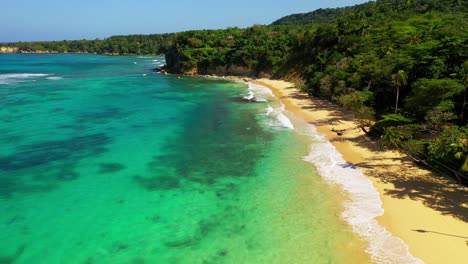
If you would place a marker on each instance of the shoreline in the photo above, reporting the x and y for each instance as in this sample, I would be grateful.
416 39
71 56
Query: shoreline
426 211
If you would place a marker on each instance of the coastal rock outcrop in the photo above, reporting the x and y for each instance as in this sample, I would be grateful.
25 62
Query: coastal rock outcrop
162 69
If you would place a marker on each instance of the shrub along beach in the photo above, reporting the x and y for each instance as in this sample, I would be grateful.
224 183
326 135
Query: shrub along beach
386 82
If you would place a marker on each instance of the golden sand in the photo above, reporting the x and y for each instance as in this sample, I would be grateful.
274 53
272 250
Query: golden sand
429 212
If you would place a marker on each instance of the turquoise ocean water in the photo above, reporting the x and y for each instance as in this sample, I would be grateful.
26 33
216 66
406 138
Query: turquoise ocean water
103 161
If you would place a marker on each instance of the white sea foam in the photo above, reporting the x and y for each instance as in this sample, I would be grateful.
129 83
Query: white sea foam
20 77
363 204
285 121
158 62
54 78
278 119
275 110
258 93
249 96
261 92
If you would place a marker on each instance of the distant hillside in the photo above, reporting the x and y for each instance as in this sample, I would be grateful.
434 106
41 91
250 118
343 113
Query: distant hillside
318 16
373 9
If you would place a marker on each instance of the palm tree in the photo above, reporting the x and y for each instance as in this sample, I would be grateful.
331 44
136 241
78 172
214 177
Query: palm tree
399 79
464 75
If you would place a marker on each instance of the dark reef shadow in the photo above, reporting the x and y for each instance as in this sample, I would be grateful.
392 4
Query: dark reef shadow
105 168
40 166
101 116
157 183
13 258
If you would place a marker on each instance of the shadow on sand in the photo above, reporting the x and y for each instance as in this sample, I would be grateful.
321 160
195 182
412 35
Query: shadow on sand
434 191
438 233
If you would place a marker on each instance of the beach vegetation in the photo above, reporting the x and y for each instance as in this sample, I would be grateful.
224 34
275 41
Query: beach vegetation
358 102
449 151
394 137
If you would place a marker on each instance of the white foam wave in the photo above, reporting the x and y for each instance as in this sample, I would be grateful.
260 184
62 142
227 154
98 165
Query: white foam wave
258 93
363 205
54 78
269 110
285 121
278 117
250 96
158 61
19 77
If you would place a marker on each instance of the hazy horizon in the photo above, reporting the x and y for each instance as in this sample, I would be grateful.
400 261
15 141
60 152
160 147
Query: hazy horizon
50 20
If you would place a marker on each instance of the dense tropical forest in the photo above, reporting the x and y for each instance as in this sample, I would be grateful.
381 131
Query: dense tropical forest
401 66
116 45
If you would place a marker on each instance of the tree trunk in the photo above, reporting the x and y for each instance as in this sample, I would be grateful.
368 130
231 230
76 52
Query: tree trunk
397 98
363 128
462 115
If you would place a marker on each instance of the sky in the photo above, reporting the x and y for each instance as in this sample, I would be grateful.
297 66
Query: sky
36 20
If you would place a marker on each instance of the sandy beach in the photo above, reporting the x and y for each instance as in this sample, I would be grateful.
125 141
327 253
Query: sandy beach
429 212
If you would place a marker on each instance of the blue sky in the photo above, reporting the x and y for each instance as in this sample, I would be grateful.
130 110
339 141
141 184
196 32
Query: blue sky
32 20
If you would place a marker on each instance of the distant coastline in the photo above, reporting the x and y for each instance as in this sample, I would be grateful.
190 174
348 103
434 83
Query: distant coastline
15 50
4 49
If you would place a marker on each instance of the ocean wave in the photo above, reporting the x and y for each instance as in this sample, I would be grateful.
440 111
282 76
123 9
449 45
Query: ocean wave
261 93
278 119
258 93
250 96
363 204
20 77
54 78
275 109
158 61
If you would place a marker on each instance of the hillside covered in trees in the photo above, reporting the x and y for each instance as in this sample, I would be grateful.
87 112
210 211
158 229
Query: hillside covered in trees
400 65
115 45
